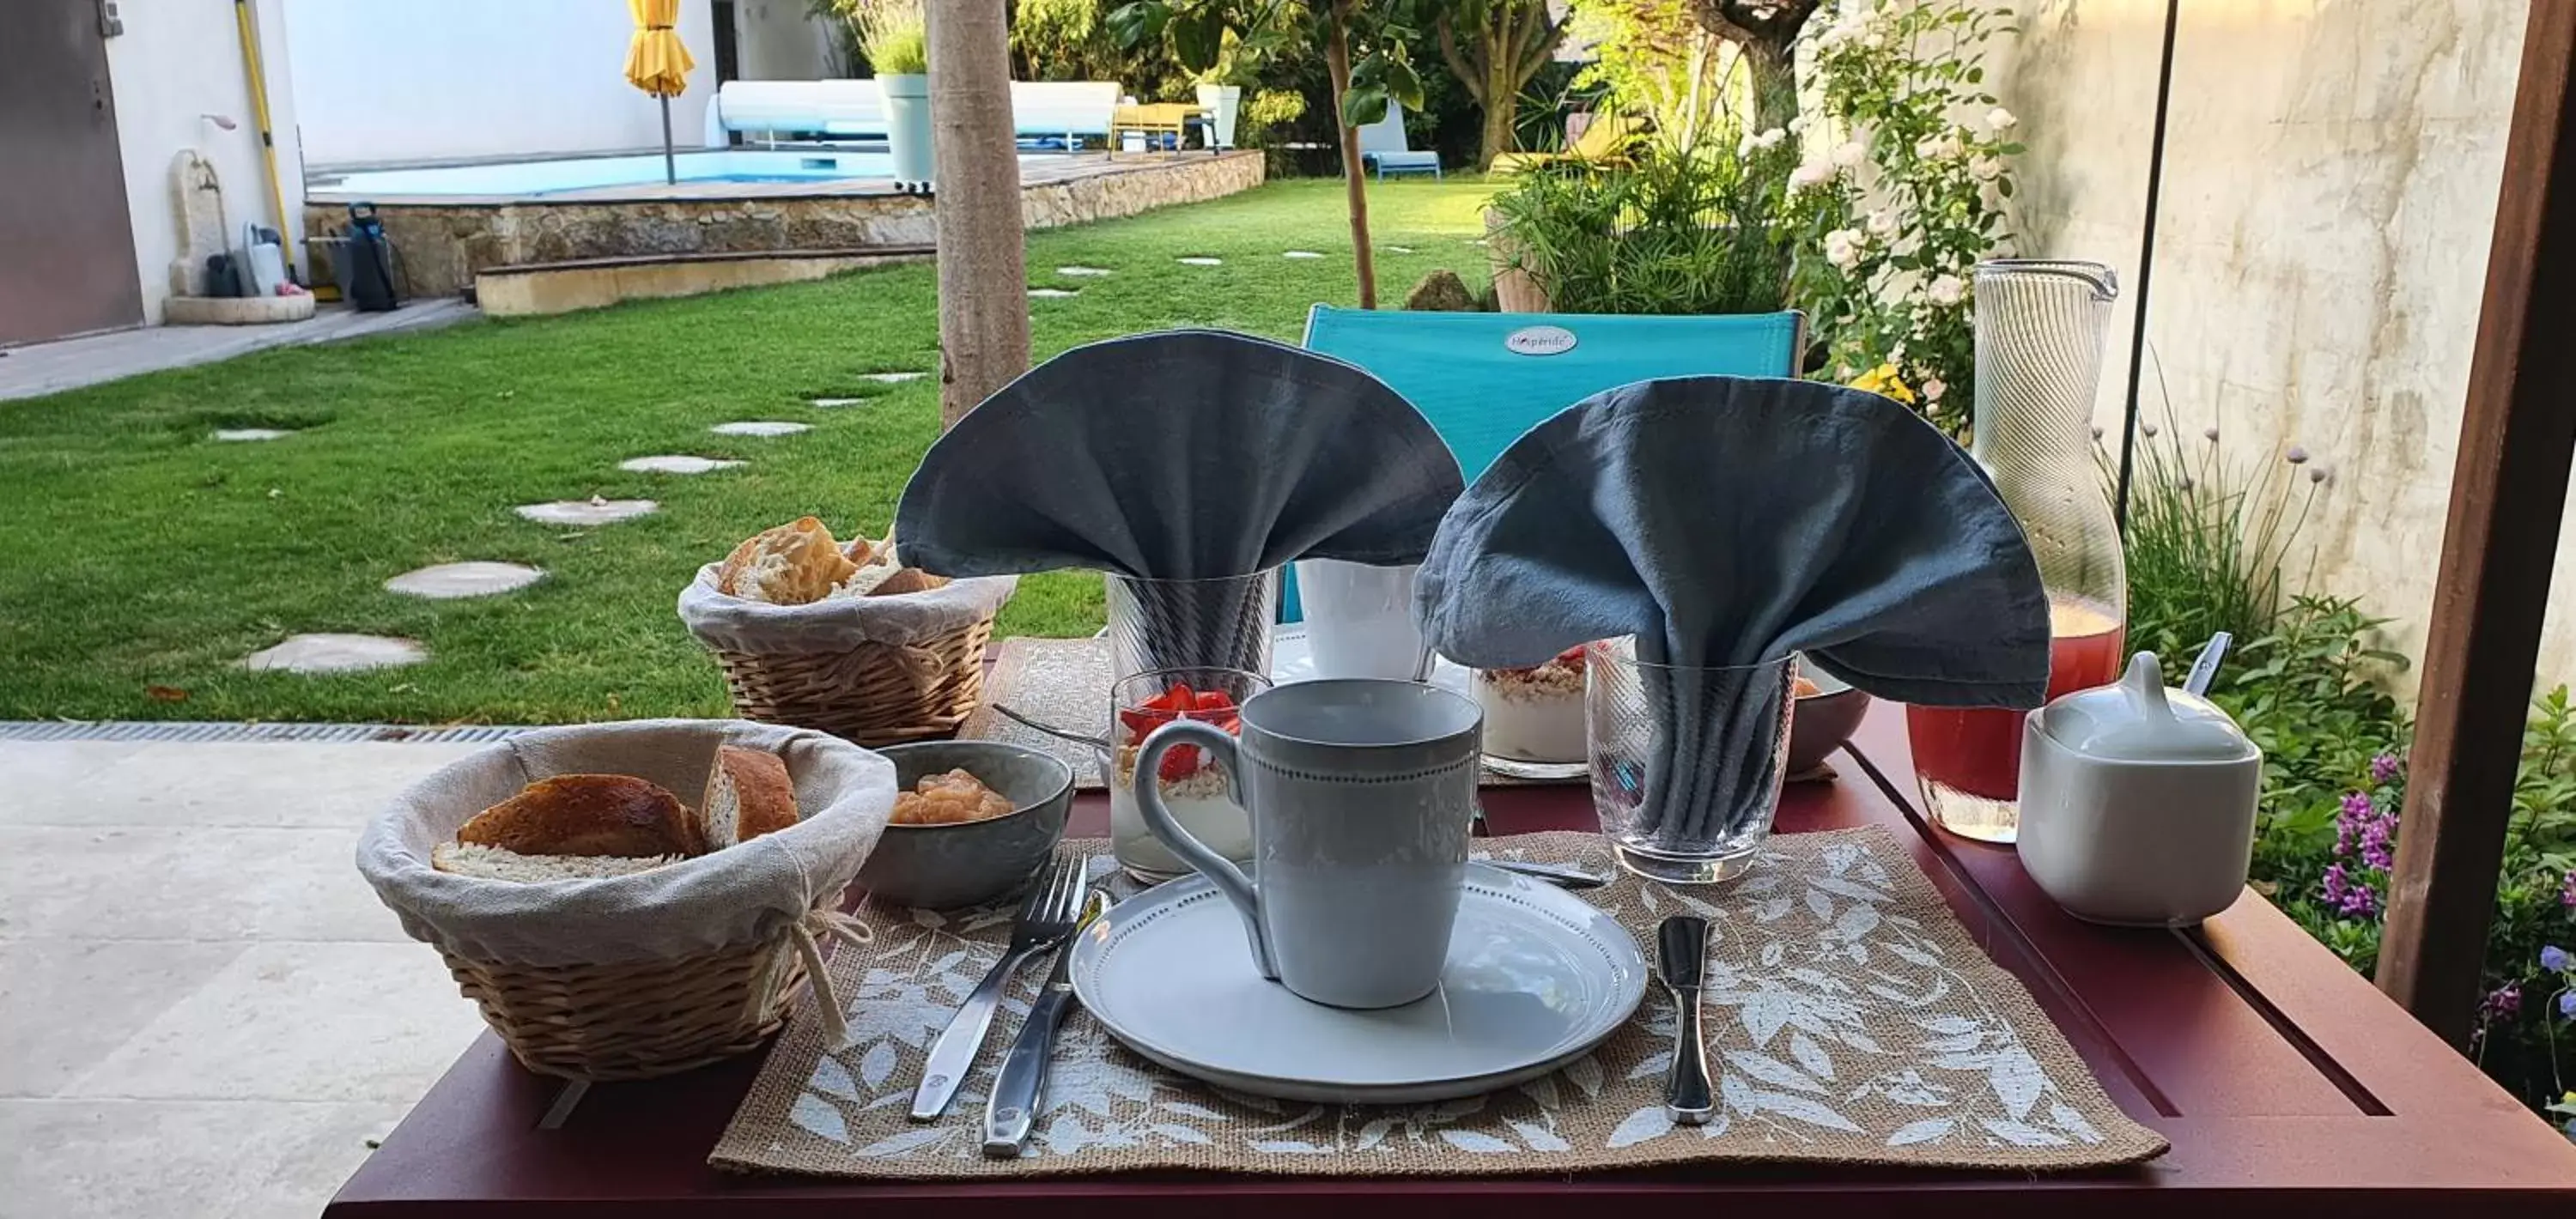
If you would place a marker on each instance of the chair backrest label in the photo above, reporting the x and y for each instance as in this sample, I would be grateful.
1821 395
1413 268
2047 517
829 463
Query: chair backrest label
1540 341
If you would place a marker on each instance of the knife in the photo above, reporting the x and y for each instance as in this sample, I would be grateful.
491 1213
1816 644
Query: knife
1560 875
1681 946
1013 1107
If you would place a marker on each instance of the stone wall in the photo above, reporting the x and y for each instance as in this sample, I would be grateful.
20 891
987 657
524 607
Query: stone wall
443 244
2331 174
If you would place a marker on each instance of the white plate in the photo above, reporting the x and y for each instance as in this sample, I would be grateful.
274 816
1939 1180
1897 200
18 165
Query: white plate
1535 978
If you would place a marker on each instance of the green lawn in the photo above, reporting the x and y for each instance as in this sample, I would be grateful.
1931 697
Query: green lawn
140 554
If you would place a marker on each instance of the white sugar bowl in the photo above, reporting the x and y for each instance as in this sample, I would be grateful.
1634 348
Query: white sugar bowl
2137 802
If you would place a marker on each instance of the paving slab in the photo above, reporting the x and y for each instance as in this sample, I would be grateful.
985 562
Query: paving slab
474 578
761 427
585 513
247 434
45 368
675 463
894 378
330 652
80 999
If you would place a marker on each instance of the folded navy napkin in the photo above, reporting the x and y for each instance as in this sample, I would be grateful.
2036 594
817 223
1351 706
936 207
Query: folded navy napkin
1186 454
1726 521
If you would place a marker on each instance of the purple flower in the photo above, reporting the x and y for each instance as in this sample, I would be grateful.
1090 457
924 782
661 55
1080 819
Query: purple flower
2338 884
2384 768
2357 807
2362 902
2210 433
2296 456
2567 891
2502 1003
2148 427
2555 959
2317 475
2374 846
2567 1004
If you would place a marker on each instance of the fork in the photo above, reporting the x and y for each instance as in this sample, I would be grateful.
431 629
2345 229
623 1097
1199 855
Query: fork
1052 910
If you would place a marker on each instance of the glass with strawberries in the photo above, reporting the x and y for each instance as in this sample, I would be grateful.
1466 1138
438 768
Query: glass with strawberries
1199 795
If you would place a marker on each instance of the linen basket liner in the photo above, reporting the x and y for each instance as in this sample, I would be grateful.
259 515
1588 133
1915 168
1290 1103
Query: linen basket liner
837 624
741 895
1850 1018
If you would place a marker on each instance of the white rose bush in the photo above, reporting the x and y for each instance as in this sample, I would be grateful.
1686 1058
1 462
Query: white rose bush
1903 178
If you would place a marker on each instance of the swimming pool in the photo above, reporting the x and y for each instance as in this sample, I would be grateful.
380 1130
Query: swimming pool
591 173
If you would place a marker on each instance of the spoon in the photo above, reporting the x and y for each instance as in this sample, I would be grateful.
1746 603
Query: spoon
1050 729
2206 667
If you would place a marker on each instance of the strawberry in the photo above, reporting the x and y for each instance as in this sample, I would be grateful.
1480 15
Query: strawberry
1179 763
1213 700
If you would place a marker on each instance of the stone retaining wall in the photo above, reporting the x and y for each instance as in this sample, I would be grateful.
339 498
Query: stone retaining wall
442 244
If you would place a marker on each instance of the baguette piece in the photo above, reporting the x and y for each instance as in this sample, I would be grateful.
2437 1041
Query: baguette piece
588 815
748 795
496 863
794 564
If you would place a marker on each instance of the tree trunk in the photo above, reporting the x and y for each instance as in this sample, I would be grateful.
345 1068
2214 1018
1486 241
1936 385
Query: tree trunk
1774 70
1502 97
1337 61
983 269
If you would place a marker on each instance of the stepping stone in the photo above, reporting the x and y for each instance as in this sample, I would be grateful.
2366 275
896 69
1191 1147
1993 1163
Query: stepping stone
251 433
1300 254
334 654
894 378
1053 293
592 511
1396 249
763 427
829 403
448 581
671 463
1202 262
1081 271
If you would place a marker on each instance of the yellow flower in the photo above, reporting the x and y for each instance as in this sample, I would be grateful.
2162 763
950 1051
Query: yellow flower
1883 380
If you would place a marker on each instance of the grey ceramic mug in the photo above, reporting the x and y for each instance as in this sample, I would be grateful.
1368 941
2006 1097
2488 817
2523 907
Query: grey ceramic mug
1361 793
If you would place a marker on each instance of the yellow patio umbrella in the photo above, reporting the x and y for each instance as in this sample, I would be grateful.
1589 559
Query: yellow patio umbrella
658 64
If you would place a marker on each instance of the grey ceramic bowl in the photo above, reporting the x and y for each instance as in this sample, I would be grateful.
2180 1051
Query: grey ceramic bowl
939 867
1822 721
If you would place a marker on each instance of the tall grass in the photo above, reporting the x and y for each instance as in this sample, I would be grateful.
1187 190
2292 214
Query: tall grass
894 34
1674 228
2209 540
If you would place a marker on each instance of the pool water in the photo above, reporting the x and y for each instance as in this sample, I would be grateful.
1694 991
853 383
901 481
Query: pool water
590 173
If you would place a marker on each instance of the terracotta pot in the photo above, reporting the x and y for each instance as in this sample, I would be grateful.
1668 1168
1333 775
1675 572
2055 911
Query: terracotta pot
1514 290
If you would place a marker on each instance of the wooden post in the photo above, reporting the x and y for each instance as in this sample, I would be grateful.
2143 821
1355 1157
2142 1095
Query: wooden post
1337 65
2507 493
983 268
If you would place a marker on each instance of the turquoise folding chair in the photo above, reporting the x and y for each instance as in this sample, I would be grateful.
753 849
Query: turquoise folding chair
1482 379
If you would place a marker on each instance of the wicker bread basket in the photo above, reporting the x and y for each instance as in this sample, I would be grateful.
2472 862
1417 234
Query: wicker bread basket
652 973
877 670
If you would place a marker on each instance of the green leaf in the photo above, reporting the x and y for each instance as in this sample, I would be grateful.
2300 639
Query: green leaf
1139 23
1363 105
1197 36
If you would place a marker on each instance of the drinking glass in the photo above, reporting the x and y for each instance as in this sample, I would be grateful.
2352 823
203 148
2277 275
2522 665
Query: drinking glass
1199 794
1221 622
1687 762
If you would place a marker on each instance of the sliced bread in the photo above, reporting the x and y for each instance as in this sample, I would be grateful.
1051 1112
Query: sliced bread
588 815
496 863
748 794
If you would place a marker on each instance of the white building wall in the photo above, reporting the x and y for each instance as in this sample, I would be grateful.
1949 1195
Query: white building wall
781 40
176 62
2331 173
401 80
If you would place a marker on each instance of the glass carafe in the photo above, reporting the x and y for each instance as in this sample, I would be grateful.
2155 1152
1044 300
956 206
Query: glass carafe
2039 363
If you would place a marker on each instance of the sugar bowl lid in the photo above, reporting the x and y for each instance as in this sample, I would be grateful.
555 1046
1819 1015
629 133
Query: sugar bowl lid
2139 720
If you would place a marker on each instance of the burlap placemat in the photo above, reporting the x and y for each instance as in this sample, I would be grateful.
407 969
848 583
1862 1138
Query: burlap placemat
1850 1020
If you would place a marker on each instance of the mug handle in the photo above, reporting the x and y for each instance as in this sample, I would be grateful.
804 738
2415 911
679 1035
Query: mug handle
1229 880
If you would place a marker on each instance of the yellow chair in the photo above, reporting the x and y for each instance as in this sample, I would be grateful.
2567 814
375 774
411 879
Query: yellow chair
1150 120
1605 142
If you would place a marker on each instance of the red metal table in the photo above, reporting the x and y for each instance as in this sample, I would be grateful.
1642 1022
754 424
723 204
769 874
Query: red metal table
2286 1082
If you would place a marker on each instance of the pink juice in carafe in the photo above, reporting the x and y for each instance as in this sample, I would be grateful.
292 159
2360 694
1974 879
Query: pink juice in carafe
1969 759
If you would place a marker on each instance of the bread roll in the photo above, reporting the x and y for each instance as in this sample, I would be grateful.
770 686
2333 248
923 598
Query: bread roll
793 564
748 795
588 815
494 863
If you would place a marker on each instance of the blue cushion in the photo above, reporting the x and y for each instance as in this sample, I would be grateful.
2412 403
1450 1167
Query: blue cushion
1480 395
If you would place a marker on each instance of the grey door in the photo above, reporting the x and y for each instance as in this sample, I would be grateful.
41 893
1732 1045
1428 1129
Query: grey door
66 245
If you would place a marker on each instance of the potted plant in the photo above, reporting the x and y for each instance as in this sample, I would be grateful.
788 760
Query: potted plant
1220 89
895 36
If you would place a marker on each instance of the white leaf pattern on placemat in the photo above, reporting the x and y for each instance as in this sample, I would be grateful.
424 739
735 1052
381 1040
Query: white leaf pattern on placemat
819 1117
2020 1135
876 1065
1811 1056
1803 1109
1651 1122
832 1079
1469 1140
1924 1131
1772 1071
1539 1137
